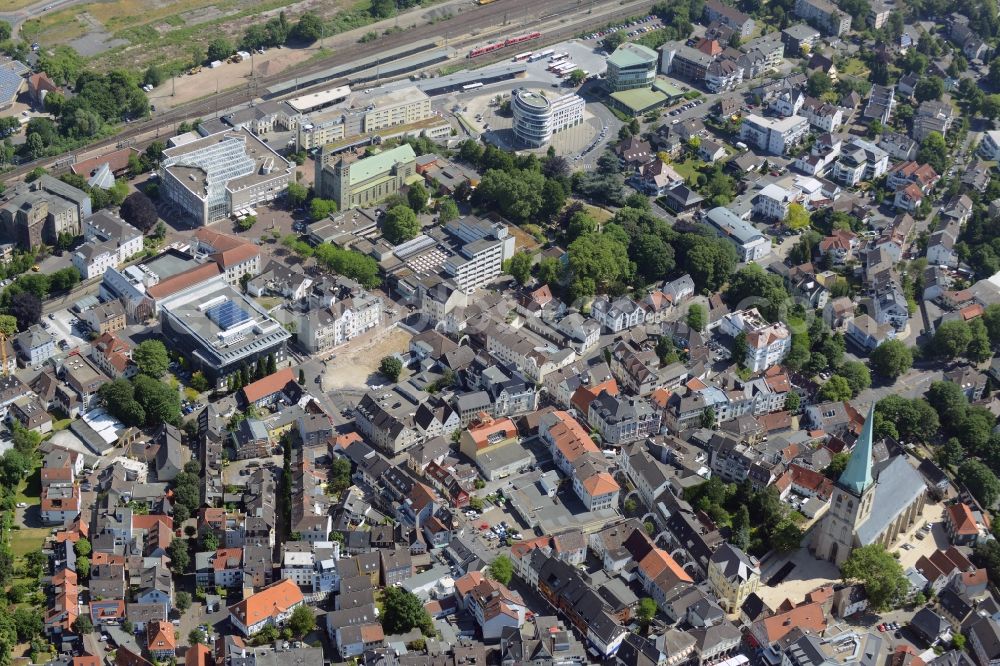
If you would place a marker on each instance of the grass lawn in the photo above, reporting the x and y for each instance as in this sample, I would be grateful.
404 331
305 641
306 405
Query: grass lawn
27 539
688 168
854 67
600 215
30 490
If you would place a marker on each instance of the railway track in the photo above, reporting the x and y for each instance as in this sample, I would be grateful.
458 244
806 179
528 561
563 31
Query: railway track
468 27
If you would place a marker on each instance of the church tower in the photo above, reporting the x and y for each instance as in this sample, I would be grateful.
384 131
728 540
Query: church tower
851 503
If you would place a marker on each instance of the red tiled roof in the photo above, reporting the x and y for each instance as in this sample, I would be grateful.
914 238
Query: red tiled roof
960 516
269 602
173 284
268 385
585 395
808 617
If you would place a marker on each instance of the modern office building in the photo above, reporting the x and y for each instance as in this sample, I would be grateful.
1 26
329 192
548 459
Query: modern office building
219 330
773 135
631 66
222 174
537 118
367 181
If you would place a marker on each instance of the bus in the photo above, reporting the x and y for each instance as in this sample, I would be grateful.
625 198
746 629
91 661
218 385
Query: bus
472 86
565 67
522 56
559 56
541 55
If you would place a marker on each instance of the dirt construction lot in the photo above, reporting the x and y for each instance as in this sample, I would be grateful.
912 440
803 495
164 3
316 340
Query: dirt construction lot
358 367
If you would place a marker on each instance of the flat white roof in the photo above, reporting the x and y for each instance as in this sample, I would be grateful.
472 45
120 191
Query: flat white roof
306 103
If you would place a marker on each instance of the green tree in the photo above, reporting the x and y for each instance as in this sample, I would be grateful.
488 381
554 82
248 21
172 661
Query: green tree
951 339
416 197
83 566
835 389
383 8
151 358
740 348
502 569
309 28
400 225
180 559
83 625
857 376
696 317
786 536
928 88
792 402
646 610
708 418
196 636
297 194
447 210
819 82
8 325
219 48
981 482
182 601
949 402
402 611
519 266
880 573
892 359
391 367
302 621
797 217
978 349
320 209
934 151
82 547
838 463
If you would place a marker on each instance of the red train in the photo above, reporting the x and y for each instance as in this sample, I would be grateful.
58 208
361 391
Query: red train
496 46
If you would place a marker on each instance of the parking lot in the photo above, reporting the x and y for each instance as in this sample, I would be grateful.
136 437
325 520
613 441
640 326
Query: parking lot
67 330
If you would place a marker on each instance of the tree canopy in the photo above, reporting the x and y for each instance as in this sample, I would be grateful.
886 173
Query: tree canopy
403 611
885 583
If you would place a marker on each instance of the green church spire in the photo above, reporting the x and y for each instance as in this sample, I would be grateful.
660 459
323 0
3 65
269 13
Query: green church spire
857 476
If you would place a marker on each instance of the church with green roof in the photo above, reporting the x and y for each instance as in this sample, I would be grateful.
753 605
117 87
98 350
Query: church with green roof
873 501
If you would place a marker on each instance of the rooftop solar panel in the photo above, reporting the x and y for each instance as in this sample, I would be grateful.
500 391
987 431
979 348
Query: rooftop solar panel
227 314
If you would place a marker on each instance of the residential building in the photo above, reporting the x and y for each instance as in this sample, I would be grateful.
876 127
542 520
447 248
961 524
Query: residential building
271 606
621 419
860 160
751 245
773 135
494 607
718 11
824 15
773 200
733 576
34 346
767 344
881 102
235 257
933 116
212 177
109 241
105 318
